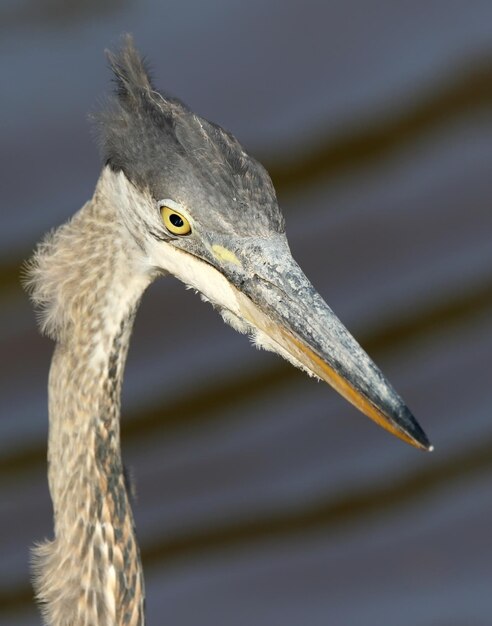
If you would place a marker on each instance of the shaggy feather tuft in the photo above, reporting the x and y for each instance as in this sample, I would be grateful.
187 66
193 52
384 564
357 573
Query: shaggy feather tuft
137 122
131 71
47 279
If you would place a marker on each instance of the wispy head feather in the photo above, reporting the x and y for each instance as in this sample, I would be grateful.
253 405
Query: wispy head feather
164 148
136 122
130 70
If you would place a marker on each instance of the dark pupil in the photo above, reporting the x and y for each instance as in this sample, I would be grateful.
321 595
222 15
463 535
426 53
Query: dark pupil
176 220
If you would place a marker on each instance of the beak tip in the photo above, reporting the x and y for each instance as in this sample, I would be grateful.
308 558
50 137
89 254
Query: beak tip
414 431
426 446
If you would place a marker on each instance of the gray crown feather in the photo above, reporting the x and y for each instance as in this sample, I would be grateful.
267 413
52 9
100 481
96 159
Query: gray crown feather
165 148
130 69
137 120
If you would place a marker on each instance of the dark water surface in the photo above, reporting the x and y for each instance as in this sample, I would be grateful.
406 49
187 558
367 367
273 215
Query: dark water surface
263 498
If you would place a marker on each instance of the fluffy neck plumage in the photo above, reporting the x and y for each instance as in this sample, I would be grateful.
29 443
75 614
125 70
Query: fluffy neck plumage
89 277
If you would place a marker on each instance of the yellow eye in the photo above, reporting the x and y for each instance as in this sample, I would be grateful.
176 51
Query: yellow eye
175 222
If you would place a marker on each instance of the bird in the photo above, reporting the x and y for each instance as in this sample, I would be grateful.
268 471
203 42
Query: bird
177 195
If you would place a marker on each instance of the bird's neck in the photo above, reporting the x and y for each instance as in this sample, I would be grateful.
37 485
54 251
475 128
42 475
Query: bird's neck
93 565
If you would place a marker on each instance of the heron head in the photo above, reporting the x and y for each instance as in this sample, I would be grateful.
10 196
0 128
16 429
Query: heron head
205 211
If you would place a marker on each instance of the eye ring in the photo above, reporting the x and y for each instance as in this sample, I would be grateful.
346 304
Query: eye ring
175 222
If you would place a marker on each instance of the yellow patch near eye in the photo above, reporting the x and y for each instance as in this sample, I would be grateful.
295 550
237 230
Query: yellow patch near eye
223 254
175 223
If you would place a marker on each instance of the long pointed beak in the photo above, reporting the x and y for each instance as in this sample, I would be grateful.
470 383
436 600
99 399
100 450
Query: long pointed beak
276 297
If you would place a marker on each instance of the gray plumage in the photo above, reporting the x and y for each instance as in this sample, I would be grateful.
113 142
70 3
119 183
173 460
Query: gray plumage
161 145
87 278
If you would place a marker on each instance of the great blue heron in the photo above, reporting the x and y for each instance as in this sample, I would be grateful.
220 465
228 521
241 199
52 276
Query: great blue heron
177 195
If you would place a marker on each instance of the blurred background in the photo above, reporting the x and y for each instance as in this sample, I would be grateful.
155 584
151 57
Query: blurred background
262 497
